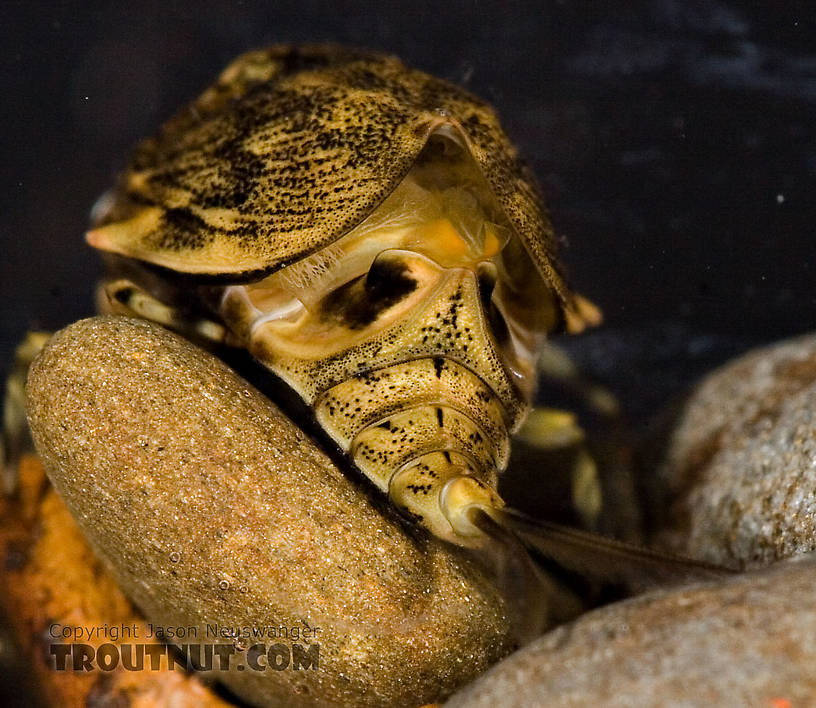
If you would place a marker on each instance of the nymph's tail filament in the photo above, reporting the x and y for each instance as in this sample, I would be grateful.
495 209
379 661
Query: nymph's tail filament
596 557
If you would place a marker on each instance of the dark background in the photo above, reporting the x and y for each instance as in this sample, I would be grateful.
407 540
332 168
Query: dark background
675 140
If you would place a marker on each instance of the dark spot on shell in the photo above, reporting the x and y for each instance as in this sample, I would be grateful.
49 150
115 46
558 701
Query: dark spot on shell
361 301
184 219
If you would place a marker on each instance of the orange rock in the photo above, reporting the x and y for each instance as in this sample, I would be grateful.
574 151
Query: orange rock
49 578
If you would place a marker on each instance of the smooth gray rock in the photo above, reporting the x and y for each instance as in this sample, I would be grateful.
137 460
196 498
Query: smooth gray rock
740 470
746 641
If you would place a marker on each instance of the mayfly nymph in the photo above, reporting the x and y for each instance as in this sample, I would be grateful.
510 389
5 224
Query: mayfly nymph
370 235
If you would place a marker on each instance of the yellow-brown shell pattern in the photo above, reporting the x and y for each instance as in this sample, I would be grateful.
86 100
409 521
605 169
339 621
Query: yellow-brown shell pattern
291 149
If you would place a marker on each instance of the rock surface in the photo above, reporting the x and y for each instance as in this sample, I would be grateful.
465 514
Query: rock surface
746 641
50 580
740 471
210 507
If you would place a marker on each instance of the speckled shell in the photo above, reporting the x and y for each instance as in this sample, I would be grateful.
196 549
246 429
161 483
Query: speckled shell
292 148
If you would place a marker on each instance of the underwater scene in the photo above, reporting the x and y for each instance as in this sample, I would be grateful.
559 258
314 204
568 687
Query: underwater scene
408 354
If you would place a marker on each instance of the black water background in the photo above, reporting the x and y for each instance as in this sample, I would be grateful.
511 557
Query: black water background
676 143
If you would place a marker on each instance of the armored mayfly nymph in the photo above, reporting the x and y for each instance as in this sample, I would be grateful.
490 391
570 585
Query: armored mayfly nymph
368 233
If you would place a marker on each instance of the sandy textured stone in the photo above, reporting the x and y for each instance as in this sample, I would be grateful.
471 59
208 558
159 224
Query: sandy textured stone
740 471
49 580
747 641
211 507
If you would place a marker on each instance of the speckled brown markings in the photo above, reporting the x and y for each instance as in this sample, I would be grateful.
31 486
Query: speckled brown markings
291 149
378 245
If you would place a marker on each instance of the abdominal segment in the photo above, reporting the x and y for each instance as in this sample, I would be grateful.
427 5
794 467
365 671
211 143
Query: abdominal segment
413 428
376 397
413 338
418 397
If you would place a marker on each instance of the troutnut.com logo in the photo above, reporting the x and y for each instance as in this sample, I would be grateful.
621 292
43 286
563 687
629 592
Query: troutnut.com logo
286 648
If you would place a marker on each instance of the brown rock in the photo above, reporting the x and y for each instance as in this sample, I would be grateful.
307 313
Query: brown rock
212 508
740 472
747 641
50 579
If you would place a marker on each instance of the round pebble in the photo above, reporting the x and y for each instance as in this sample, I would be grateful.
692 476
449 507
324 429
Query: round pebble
213 510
